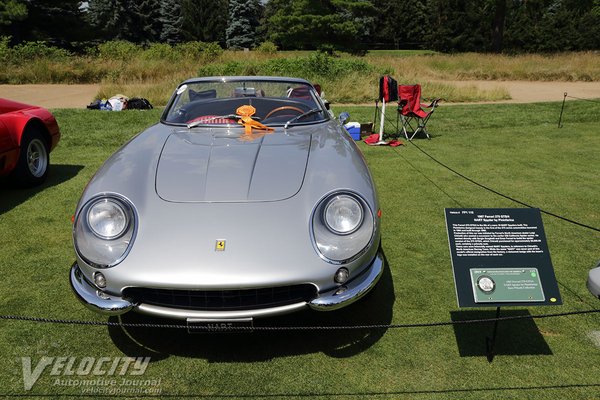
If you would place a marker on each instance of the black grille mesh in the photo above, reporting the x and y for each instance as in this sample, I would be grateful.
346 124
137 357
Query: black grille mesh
225 300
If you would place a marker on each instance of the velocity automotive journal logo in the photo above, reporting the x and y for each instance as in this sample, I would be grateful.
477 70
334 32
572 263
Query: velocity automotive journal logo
94 375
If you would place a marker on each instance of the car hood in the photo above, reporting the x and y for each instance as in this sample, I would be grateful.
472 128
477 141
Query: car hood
267 243
224 165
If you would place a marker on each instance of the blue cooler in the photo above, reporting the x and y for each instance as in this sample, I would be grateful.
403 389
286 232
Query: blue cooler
353 129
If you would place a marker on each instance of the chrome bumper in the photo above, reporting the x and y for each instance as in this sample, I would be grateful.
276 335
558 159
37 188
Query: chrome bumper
95 299
593 282
103 303
352 291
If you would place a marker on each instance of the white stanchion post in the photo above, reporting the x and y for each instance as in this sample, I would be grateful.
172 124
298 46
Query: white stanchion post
381 123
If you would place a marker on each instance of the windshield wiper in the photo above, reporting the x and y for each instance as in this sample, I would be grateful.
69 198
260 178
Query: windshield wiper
303 115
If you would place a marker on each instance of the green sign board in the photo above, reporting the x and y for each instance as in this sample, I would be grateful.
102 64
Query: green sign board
491 285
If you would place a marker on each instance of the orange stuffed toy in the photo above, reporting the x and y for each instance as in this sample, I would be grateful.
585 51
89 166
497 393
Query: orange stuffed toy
246 112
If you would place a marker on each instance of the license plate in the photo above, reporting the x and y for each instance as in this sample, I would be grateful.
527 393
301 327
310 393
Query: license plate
204 325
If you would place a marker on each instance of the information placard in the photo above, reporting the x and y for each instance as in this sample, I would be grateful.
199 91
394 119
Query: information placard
500 257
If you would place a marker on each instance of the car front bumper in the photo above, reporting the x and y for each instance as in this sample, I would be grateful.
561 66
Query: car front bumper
339 297
94 299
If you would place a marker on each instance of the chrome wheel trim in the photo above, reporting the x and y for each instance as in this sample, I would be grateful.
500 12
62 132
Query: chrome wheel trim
37 158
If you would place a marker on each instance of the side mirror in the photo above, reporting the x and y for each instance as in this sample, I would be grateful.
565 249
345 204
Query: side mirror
343 117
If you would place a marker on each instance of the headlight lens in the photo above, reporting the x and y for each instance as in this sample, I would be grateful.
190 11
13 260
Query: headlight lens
107 219
104 230
343 214
342 226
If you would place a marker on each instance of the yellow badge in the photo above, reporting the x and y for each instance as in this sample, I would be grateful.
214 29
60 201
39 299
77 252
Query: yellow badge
220 246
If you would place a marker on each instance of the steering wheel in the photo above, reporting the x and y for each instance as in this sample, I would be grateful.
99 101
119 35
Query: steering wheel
282 108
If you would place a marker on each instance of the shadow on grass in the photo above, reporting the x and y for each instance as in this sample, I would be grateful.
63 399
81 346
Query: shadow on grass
375 308
11 195
514 337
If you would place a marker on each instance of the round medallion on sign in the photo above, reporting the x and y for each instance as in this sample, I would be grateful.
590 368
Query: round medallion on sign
486 284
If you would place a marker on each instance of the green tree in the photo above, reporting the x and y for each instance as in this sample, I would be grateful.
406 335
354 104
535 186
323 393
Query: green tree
589 26
147 18
204 20
570 25
310 24
134 21
244 17
113 19
172 20
498 25
457 25
43 20
552 25
12 13
403 23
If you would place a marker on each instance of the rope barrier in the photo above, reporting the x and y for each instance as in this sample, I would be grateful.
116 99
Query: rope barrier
417 170
562 108
581 98
504 195
25 318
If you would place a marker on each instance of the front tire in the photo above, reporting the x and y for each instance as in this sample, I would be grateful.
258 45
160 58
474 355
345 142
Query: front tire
34 159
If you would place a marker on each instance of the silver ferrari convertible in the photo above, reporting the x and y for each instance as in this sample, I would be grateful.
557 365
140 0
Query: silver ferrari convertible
247 200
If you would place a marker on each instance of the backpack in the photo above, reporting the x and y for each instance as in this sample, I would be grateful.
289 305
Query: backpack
139 103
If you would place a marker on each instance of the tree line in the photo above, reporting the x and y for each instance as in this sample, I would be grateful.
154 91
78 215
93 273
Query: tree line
347 25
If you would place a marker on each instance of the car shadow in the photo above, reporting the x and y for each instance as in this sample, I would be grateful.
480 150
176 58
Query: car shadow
11 195
158 343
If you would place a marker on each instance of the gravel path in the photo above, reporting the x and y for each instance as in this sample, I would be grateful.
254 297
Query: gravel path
51 96
78 96
533 92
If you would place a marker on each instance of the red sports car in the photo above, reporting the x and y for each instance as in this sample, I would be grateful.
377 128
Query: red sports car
27 135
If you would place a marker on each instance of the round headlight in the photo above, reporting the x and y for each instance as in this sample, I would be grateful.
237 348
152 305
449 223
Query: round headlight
104 230
107 219
343 214
342 227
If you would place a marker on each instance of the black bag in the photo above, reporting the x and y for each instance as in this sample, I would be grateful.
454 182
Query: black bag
94 105
139 103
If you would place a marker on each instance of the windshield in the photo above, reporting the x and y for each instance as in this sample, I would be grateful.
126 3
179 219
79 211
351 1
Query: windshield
215 102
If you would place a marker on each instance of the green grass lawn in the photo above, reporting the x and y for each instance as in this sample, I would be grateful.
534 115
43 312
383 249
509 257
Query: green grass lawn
515 149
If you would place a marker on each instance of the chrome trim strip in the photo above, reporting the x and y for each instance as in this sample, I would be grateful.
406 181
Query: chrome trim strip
165 312
355 289
95 299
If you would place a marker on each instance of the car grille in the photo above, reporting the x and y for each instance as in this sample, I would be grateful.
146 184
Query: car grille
225 300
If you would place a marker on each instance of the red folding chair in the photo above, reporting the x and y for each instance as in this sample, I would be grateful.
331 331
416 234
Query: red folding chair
414 117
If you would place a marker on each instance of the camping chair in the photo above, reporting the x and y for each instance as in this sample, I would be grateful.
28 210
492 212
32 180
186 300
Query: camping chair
411 111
